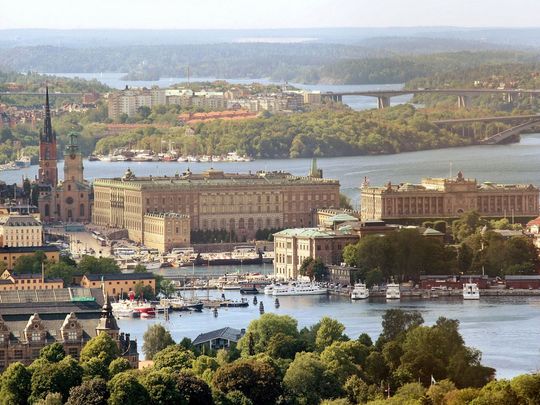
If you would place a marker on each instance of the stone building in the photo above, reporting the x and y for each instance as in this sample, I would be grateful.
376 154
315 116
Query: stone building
164 231
67 200
31 320
9 255
20 230
214 200
120 284
10 282
448 198
293 246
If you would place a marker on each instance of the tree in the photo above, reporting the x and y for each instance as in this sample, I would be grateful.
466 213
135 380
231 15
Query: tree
464 396
437 392
102 343
315 269
356 389
161 387
329 331
193 390
282 346
345 202
15 385
396 323
156 338
309 380
52 398
466 225
345 359
140 268
96 367
527 388
91 392
55 377
257 380
60 270
119 365
496 392
175 357
53 352
261 330
102 265
167 288
126 390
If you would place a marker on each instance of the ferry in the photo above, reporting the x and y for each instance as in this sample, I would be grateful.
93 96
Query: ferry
299 288
471 291
23 162
393 292
360 292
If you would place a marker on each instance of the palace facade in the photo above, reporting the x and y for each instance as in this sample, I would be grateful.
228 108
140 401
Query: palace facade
448 198
213 200
67 200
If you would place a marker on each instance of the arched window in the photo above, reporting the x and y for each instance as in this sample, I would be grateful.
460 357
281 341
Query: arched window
70 214
81 210
69 187
47 210
241 223
250 224
232 224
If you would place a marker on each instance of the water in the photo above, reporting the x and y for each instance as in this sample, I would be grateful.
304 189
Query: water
504 329
515 163
356 102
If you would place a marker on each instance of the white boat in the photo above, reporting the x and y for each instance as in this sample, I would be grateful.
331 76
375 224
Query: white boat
23 162
392 291
360 292
269 289
471 291
299 288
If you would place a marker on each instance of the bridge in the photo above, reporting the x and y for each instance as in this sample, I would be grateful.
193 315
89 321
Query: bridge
463 95
503 118
26 93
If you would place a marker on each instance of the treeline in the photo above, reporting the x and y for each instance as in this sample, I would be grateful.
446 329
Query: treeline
273 363
305 62
324 132
406 254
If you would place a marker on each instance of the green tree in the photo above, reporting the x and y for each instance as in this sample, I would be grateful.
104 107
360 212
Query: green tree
156 338
161 387
464 396
437 392
61 270
91 392
96 367
466 225
102 343
55 377
193 390
396 323
527 388
315 269
53 352
345 202
140 268
282 346
52 398
261 331
118 365
496 392
15 385
308 379
102 265
257 380
345 359
174 356
167 288
329 331
125 389
356 389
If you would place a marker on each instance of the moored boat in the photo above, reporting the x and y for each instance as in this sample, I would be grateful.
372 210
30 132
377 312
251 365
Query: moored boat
360 292
471 291
393 292
299 288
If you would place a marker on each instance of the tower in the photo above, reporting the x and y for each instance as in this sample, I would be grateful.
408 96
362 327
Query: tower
314 171
48 171
73 163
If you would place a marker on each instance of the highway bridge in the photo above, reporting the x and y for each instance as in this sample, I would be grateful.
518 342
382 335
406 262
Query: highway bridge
463 95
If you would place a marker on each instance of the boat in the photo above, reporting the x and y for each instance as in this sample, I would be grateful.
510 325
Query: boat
22 162
269 289
392 291
471 291
360 292
251 290
235 304
299 288
181 304
93 158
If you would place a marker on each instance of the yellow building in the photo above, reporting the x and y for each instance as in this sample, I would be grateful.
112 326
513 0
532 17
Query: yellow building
9 255
293 246
10 281
118 284
214 200
20 230
164 231
448 198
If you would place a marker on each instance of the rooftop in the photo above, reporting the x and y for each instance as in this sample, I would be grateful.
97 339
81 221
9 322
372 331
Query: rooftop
223 333
310 233
28 249
120 276
19 220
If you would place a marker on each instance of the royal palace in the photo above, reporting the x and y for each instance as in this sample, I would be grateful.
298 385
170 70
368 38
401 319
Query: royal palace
212 200
448 198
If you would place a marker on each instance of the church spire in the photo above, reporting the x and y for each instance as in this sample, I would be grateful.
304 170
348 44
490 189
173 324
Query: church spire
48 134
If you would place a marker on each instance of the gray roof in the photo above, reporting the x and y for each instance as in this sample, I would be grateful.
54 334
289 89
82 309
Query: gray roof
20 220
231 334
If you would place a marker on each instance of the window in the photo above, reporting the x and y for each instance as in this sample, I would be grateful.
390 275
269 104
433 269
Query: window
72 335
17 354
36 337
73 351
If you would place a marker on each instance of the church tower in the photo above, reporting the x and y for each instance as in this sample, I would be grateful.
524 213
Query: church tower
48 171
73 162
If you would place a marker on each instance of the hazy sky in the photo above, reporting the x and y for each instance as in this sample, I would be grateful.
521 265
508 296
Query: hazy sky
188 14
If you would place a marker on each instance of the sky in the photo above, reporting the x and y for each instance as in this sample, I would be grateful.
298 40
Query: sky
249 14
